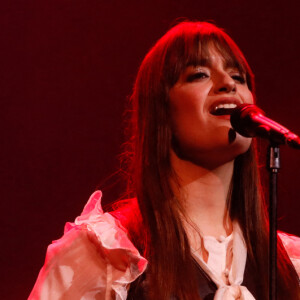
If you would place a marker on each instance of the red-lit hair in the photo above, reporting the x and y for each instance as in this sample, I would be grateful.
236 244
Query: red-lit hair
160 234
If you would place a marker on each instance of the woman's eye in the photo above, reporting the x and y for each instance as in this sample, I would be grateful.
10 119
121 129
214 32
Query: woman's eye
239 78
195 76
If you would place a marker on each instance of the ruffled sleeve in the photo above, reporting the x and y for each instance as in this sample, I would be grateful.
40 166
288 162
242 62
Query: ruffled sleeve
292 247
93 260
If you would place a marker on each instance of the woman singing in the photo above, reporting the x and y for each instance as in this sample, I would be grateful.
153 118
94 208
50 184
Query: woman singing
195 226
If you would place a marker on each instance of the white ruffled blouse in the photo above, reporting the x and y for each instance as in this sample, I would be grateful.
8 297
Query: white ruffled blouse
95 260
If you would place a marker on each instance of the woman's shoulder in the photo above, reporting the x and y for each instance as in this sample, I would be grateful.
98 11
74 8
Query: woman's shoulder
291 244
95 246
127 212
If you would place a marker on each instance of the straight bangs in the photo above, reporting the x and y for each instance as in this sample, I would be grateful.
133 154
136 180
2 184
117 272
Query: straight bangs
190 44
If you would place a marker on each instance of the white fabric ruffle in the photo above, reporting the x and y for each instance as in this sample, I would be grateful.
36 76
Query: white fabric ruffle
93 260
291 244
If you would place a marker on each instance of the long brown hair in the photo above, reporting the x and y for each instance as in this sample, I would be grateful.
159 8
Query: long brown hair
159 233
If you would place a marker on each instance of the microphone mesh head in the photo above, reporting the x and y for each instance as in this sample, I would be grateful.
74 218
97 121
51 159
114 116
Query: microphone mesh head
241 120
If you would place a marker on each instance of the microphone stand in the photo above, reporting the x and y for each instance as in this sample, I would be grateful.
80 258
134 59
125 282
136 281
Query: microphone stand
273 165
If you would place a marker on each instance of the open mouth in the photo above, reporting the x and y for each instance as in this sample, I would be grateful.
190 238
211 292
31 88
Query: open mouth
223 109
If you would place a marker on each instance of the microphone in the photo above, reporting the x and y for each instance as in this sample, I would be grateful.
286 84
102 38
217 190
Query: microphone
250 121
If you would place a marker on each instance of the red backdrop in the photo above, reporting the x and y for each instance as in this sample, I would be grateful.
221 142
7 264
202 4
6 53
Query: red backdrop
67 69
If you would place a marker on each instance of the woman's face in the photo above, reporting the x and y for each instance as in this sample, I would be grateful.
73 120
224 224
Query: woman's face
200 104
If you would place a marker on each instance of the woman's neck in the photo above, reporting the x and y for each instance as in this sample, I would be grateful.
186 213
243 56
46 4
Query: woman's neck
204 195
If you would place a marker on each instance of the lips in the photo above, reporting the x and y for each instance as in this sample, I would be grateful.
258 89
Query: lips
223 107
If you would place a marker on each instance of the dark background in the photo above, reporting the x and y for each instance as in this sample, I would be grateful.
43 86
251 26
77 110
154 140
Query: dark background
67 67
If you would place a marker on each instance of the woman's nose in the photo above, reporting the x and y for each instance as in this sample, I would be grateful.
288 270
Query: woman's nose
225 84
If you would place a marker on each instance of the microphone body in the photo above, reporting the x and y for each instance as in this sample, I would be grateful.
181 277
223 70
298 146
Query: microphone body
250 121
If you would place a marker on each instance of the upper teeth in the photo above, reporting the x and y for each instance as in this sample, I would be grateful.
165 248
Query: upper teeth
226 105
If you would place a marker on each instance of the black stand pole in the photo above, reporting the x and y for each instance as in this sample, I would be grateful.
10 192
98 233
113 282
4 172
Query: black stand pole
273 166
